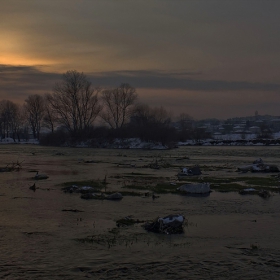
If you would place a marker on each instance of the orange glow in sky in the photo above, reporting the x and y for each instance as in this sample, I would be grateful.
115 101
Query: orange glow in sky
188 55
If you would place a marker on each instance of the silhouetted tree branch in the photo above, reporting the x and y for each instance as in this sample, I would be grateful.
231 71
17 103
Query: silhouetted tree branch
118 105
75 102
35 108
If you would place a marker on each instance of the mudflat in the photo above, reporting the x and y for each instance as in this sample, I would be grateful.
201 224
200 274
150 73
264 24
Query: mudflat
47 233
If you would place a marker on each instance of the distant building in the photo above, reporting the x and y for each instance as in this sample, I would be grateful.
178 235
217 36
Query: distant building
255 129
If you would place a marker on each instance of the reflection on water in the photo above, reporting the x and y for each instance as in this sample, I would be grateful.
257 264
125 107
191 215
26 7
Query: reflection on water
226 235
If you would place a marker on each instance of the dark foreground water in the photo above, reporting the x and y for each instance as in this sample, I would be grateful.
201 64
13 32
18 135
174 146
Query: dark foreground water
228 236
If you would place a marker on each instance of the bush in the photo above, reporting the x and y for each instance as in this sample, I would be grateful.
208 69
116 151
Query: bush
57 138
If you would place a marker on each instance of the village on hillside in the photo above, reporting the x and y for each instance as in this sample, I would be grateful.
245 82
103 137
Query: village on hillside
242 128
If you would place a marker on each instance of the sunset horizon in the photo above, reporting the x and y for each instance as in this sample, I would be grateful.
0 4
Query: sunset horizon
206 59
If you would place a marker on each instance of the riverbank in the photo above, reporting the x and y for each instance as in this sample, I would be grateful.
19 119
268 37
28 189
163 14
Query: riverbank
136 143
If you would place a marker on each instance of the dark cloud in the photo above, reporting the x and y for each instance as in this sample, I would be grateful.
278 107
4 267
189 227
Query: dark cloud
17 82
10 68
180 91
176 80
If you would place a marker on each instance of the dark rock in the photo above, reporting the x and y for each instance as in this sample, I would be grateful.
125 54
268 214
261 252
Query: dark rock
248 191
33 187
264 194
171 224
88 196
114 196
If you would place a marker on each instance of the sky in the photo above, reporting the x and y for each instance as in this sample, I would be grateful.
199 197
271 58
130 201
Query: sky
206 58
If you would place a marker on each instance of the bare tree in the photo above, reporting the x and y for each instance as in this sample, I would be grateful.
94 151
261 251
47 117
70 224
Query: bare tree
16 122
141 114
145 114
118 105
23 123
4 118
35 109
184 120
9 118
50 118
185 126
153 124
160 115
75 102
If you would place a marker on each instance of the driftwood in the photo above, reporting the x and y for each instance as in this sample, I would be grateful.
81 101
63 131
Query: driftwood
14 166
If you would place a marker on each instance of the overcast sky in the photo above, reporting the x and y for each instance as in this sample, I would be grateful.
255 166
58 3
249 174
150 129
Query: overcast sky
207 58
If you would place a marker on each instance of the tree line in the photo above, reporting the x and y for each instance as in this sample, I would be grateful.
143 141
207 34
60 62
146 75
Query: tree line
71 110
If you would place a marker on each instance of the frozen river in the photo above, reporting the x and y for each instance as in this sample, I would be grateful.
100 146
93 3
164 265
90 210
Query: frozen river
228 236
